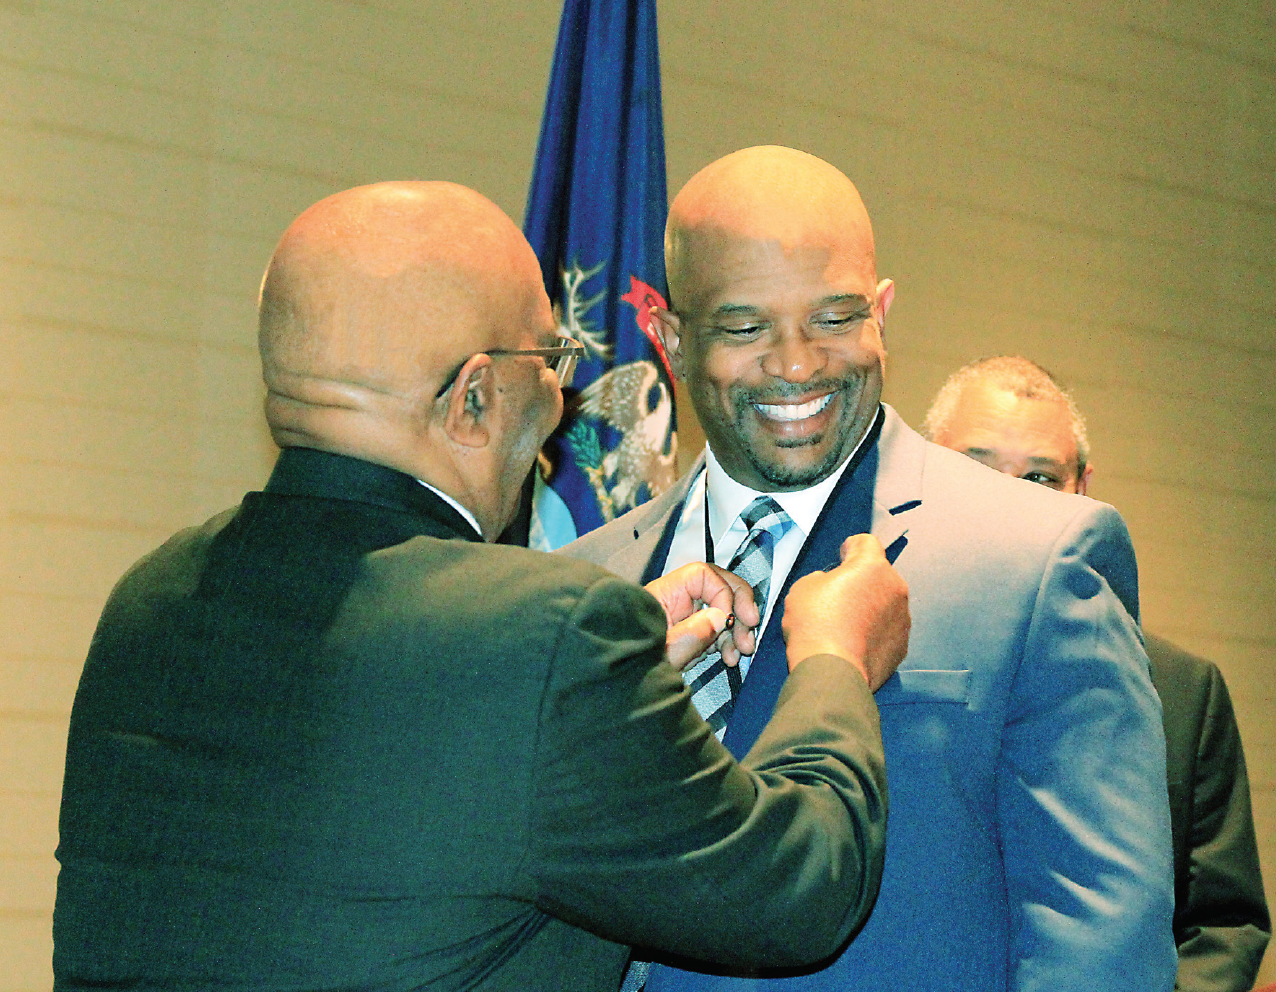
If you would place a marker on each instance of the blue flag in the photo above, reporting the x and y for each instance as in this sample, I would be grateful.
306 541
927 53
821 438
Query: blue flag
596 218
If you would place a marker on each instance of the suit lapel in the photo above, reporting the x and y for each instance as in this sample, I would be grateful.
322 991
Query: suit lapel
877 493
654 524
901 459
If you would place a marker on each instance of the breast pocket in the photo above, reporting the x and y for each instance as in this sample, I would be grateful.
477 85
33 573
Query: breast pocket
925 685
924 713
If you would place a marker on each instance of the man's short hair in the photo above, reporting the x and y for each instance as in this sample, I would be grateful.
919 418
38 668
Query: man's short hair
1016 374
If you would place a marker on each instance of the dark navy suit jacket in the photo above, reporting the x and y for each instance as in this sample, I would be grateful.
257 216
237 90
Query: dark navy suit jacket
1221 921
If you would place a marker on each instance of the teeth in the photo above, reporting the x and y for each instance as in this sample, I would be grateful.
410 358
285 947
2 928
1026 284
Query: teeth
793 411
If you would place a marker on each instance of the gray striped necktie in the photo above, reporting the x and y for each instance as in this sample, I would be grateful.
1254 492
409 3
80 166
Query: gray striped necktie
713 685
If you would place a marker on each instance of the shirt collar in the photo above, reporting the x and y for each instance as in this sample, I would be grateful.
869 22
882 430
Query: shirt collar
729 498
469 517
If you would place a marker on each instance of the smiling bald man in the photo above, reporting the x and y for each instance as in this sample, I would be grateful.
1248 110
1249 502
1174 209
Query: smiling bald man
1028 844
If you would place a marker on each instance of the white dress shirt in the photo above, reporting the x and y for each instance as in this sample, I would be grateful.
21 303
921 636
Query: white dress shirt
469 517
727 500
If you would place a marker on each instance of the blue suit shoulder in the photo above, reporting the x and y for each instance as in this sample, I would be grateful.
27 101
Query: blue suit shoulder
1000 522
991 500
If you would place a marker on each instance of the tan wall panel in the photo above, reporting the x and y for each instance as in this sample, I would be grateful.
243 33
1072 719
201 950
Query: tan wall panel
62 558
59 36
1083 180
97 497
26 948
39 686
104 243
37 431
73 365
32 754
24 824
54 294
36 625
160 183
27 884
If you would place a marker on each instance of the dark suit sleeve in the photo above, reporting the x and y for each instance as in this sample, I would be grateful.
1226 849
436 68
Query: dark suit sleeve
646 831
1221 920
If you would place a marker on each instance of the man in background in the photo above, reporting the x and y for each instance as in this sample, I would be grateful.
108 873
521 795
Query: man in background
1010 414
334 738
1028 844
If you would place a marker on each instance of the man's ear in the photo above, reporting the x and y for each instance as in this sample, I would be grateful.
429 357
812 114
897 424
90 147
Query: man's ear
668 327
469 402
1084 481
885 297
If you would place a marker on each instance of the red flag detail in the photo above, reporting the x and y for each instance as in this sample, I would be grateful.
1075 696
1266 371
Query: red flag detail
642 298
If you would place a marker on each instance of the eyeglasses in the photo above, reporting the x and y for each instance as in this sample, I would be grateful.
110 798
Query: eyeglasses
561 358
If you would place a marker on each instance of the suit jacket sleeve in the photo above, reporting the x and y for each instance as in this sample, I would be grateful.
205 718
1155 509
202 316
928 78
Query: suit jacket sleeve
1082 792
645 829
1221 921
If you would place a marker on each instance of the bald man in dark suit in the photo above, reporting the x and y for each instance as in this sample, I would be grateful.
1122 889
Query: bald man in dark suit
334 738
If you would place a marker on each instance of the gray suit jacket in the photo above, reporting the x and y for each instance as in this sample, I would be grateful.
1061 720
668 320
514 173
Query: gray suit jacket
1029 838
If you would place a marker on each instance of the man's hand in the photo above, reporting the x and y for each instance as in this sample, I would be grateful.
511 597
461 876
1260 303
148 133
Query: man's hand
858 611
697 600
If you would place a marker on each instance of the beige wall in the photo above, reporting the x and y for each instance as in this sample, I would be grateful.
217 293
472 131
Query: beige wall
1088 182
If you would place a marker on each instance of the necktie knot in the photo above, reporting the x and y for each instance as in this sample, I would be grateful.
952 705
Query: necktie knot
767 523
766 514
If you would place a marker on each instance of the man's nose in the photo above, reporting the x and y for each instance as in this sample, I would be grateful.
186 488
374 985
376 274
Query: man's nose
794 357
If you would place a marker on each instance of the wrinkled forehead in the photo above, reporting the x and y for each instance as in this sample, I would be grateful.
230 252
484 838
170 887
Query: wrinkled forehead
1004 419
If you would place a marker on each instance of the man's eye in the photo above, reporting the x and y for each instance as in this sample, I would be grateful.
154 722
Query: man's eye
838 322
738 330
1042 479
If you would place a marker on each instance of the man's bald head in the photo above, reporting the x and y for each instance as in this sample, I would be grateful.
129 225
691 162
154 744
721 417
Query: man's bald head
371 302
776 314
767 193
371 299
